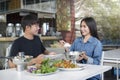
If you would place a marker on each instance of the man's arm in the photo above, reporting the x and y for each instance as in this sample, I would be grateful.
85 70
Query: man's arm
46 52
36 60
11 64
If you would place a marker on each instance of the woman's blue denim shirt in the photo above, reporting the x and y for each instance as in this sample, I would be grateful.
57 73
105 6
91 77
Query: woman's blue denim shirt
92 48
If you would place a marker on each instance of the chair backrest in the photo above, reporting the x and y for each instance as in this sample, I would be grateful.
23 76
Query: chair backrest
7 55
8 50
101 63
2 60
102 58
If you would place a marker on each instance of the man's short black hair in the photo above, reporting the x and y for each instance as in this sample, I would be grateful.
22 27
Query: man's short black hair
29 20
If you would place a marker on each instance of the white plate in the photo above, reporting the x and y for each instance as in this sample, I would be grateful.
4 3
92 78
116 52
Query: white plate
72 69
41 74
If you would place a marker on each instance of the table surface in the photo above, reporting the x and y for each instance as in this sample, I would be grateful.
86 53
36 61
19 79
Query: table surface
87 72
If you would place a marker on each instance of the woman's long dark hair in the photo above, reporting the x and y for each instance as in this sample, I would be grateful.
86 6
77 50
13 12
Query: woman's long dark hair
90 22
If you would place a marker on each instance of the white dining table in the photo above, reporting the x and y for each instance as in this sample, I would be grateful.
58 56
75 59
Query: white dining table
112 58
88 71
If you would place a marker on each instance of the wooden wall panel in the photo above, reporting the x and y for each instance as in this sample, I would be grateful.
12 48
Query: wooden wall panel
14 4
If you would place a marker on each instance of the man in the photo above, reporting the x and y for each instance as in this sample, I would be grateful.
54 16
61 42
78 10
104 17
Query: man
29 43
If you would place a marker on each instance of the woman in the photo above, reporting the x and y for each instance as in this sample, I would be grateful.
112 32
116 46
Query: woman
89 44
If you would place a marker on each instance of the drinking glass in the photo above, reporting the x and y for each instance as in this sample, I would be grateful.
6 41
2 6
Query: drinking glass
72 57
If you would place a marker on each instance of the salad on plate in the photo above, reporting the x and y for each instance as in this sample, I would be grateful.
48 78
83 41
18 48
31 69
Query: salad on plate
45 68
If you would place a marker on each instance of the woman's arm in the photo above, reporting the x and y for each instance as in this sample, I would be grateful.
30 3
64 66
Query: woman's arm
96 57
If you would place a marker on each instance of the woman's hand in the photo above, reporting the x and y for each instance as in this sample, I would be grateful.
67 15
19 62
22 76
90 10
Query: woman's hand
82 56
65 45
62 42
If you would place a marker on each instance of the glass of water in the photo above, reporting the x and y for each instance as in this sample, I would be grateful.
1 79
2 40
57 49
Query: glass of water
72 57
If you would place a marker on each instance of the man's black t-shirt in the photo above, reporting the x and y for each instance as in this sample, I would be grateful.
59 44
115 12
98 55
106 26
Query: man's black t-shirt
29 47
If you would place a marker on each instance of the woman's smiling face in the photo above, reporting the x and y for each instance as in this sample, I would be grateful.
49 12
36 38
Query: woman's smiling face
84 29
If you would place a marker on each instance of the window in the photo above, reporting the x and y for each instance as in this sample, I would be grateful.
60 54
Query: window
26 2
3 6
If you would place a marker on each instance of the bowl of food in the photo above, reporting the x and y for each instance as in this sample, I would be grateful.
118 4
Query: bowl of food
67 65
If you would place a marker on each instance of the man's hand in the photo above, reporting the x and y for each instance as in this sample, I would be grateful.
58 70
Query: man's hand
49 53
52 53
11 64
37 60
